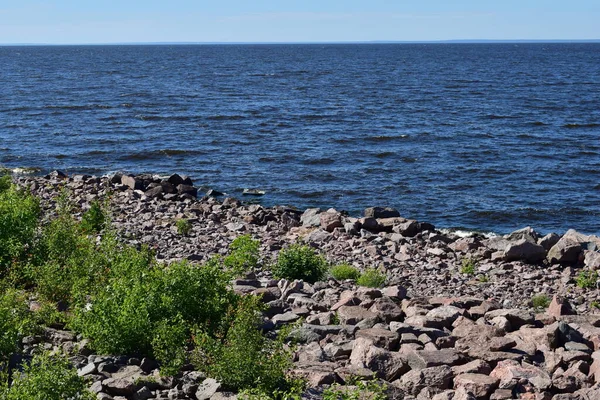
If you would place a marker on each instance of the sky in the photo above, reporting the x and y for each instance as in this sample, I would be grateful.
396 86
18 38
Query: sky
133 21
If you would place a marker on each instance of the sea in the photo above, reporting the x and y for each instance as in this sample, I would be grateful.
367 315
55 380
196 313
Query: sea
487 137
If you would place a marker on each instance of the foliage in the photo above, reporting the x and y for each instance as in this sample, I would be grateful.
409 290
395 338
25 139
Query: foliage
14 321
595 304
362 390
149 309
587 279
344 271
292 391
468 266
241 357
47 378
300 262
19 218
244 255
483 278
540 301
94 219
371 278
183 226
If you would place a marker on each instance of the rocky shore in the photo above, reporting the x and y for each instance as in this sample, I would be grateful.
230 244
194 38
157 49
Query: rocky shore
459 317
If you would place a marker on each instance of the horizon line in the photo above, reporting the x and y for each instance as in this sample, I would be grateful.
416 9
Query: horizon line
448 41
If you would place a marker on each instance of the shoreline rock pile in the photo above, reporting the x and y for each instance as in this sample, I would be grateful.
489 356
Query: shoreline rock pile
455 319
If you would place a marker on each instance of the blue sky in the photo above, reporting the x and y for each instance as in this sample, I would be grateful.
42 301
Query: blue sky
117 21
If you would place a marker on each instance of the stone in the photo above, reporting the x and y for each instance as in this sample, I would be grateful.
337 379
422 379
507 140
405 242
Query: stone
380 337
549 240
481 386
515 316
446 315
420 359
559 306
187 189
565 251
331 220
509 373
316 374
472 367
414 381
118 387
524 250
381 212
591 259
386 309
311 217
132 182
352 315
207 389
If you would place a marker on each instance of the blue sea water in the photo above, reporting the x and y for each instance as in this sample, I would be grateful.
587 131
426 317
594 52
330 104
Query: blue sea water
490 137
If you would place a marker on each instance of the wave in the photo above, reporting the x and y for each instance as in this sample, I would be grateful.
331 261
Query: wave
575 126
158 154
385 138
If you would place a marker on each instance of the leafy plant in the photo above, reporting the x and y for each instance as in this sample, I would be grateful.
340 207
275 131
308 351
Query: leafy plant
300 262
241 357
344 271
483 278
587 279
468 266
540 301
47 378
595 304
362 390
19 218
184 227
14 321
244 255
93 220
371 278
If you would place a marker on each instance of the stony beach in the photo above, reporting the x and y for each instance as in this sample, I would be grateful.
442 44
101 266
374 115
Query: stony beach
459 316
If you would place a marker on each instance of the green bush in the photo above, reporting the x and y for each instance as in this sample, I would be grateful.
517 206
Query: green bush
371 278
144 308
183 226
587 279
93 220
300 262
14 321
47 378
19 218
243 256
242 358
362 390
468 266
344 271
540 301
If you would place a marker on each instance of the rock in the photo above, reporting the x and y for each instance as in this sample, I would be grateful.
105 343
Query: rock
311 217
591 259
316 374
420 359
416 380
118 387
381 212
481 386
132 182
380 337
559 307
526 233
352 315
565 251
516 317
549 240
331 220
509 373
524 250
187 189
445 315
207 389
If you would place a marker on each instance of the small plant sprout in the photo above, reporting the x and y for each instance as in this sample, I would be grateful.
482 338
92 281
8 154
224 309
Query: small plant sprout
183 226
468 266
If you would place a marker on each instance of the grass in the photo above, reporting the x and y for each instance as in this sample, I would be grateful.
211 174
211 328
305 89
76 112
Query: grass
587 279
468 266
344 271
371 278
540 301
184 227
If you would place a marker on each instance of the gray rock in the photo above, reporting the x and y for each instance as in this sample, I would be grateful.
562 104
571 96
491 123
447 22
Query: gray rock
381 212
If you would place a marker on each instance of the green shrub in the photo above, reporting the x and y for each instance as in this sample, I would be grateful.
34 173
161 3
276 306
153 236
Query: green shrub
540 301
19 218
587 279
344 271
148 309
93 220
14 321
183 226
468 266
362 390
243 256
371 278
300 262
47 378
242 358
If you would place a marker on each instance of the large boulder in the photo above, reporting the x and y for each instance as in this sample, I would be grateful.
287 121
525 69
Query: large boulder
381 212
525 250
565 251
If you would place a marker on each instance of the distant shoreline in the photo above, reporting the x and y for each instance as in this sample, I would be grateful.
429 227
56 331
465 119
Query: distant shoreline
376 42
